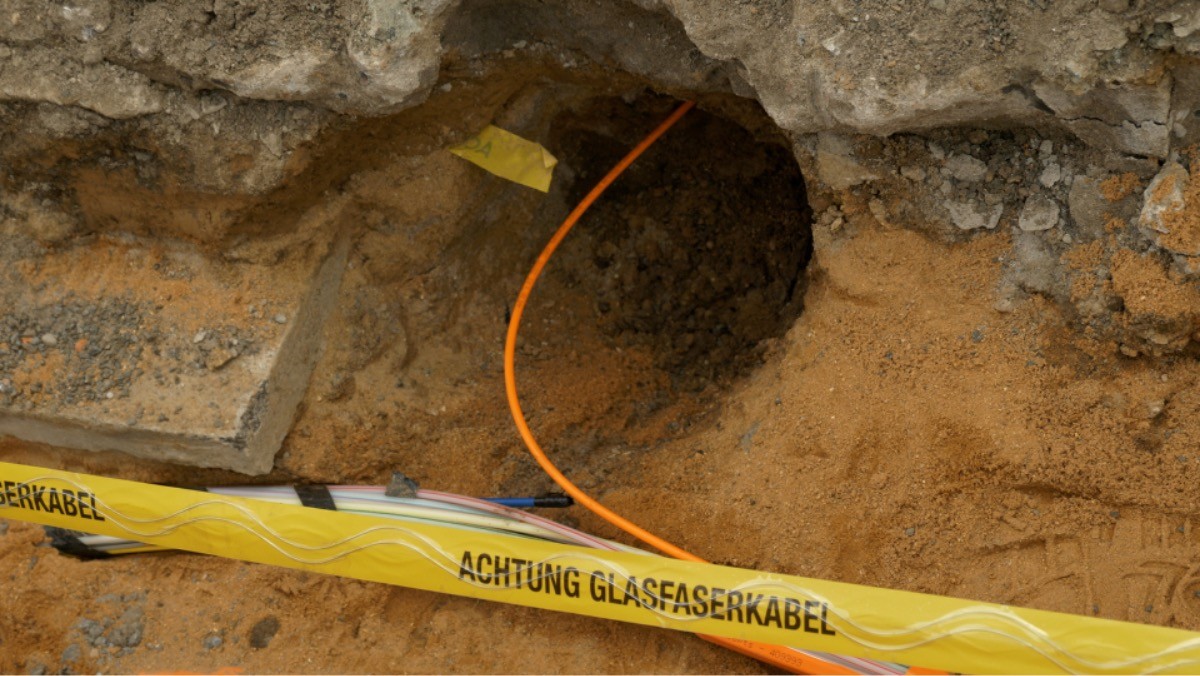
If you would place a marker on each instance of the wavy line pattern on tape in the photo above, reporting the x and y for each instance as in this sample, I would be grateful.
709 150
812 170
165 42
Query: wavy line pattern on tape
969 620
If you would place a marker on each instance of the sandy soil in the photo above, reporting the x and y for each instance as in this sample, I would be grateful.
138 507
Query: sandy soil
900 431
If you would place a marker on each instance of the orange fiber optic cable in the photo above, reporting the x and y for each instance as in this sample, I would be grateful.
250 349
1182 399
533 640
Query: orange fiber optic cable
779 656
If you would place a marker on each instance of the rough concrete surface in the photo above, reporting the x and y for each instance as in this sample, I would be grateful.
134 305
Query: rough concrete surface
159 352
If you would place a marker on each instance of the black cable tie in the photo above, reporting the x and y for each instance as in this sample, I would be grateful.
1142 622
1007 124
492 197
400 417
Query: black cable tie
316 496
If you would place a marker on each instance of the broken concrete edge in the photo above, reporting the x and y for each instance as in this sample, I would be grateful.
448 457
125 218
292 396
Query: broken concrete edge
198 450
269 417
269 411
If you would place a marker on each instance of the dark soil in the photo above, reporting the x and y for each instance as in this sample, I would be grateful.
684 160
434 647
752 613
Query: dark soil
698 250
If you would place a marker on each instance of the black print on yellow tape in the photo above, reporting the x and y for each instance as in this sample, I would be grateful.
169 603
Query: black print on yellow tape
904 627
674 596
62 501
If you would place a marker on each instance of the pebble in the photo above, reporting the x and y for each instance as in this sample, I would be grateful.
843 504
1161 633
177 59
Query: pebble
1039 213
213 641
970 216
966 168
910 531
49 339
280 319
1051 175
72 653
200 336
263 631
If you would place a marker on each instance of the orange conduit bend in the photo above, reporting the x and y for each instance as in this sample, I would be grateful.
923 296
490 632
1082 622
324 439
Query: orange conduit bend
784 658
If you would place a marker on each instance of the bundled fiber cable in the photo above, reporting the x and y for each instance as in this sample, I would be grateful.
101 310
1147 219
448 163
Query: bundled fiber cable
485 515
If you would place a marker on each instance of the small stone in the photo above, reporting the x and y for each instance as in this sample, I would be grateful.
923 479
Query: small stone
1050 175
971 216
1039 213
200 336
263 631
212 642
1163 198
49 339
837 165
913 173
1045 147
966 168
1115 514
401 486
280 319
910 531
71 654
1154 408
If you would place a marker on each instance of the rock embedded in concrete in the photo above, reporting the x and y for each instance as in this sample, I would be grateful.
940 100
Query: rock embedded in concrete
1051 175
1164 197
1039 213
151 354
966 169
837 165
974 216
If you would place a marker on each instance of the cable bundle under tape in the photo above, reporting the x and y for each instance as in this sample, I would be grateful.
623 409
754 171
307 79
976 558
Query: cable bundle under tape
427 506
522 559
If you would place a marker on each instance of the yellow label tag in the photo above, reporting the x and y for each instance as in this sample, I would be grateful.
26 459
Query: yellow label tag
509 156
846 619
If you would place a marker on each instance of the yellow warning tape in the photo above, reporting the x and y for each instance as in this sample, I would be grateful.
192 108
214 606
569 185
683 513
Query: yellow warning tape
509 156
905 627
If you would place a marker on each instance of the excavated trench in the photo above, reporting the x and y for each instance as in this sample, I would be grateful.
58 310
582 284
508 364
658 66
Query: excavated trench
956 393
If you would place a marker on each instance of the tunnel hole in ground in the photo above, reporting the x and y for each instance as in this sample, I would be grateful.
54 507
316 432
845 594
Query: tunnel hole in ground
698 251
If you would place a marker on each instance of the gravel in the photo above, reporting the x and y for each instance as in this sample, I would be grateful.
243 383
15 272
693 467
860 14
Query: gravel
100 344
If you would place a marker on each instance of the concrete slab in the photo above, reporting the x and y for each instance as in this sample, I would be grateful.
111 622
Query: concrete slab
161 352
